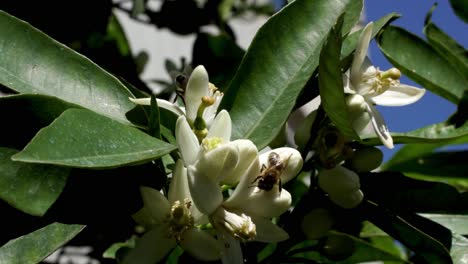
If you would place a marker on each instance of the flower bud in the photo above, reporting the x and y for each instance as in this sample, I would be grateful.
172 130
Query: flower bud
338 247
365 159
357 109
342 186
317 223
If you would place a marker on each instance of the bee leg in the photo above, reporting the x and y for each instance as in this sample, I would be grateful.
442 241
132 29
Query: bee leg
263 168
279 186
256 179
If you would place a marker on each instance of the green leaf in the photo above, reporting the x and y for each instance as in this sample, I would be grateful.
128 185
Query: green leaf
420 62
350 42
415 195
81 138
351 16
460 7
32 62
437 133
449 167
280 60
36 246
331 85
447 47
456 223
413 234
363 251
24 114
31 188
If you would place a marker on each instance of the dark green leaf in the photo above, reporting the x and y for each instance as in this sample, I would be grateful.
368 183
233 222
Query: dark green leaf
279 62
32 62
81 138
331 85
414 232
23 115
363 251
437 133
447 47
350 42
415 195
31 188
460 7
116 32
448 167
420 62
34 247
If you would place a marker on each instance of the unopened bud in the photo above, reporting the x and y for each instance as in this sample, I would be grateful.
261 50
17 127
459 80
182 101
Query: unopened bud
365 159
317 223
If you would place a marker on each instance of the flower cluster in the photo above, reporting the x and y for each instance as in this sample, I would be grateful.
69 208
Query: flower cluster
210 166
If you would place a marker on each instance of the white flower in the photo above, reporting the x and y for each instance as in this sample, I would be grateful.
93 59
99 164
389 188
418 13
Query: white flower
342 186
369 86
171 221
202 99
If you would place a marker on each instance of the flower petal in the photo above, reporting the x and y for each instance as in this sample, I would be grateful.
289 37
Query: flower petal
161 103
360 55
380 127
232 252
187 141
197 87
248 153
179 189
155 207
245 186
221 127
151 247
399 95
347 200
206 193
291 157
200 245
261 203
219 162
268 232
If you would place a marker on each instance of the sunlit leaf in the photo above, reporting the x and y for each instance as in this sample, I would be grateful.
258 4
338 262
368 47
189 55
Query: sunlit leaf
280 60
456 223
437 133
32 62
331 85
36 246
81 138
420 62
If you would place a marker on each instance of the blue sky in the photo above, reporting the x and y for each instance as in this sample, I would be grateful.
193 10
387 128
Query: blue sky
431 108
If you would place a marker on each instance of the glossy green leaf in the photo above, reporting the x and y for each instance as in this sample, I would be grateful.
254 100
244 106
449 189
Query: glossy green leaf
415 150
363 251
331 85
31 188
36 246
446 46
81 138
420 62
437 133
351 16
416 195
350 42
449 167
456 223
24 114
280 60
32 62
413 234
460 7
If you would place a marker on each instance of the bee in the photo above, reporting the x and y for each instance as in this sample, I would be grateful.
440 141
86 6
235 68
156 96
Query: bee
181 81
269 176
